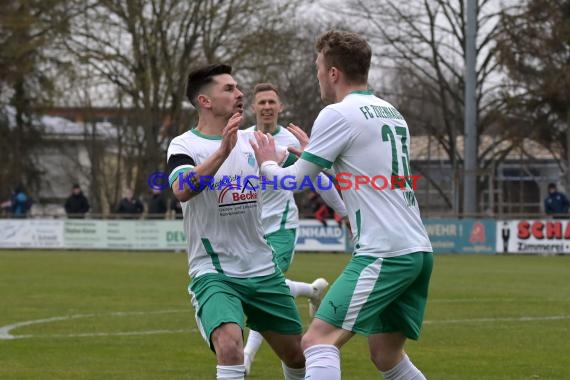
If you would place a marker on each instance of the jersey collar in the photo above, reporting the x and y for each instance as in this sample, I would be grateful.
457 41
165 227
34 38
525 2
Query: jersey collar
208 137
362 92
277 130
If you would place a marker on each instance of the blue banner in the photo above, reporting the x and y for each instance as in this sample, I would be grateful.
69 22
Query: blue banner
462 235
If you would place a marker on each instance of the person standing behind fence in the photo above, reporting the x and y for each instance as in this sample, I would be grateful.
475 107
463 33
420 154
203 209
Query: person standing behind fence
556 203
130 207
157 205
76 205
20 203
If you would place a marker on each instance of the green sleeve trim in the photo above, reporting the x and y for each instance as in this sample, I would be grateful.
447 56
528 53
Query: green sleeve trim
213 255
174 175
323 163
291 159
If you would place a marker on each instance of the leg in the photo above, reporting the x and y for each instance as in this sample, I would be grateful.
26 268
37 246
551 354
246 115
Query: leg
401 319
288 349
386 349
272 311
321 344
314 292
387 354
228 344
353 305
219 316
283 243
254 340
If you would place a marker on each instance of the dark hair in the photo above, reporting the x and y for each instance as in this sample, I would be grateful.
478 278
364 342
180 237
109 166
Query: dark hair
202 77
348 52
76 186
552 185
265 87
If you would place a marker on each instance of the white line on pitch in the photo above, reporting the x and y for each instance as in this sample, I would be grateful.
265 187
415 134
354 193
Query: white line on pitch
486 320
5 330
117 333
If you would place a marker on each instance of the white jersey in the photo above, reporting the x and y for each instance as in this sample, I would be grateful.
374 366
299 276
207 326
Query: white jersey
366 136
222 224
279 209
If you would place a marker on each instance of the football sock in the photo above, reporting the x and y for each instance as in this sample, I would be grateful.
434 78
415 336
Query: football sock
293 373
404 370
230 372
300 288
323 362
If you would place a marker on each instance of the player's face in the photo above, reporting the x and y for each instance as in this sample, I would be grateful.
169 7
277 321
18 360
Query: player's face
225 96
325 85
267 107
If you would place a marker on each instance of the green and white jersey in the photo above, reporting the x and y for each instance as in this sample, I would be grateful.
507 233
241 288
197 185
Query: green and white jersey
223 224
279 209
364 135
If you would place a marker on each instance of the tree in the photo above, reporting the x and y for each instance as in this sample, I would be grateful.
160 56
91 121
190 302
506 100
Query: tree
425 41
143 50
30 64
534 49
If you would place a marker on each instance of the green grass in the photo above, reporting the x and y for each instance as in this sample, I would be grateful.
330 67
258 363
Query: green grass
475 326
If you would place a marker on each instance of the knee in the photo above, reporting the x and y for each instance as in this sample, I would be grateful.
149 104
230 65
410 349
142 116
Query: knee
228 349
309 339
386 360
294 358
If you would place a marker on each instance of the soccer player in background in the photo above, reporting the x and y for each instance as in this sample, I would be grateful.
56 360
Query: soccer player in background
383 290
230 264
279 213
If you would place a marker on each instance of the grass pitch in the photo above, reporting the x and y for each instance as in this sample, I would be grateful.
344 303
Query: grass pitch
94 315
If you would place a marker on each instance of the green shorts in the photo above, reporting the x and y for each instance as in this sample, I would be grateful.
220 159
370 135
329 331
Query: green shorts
379 295
283 244
266 302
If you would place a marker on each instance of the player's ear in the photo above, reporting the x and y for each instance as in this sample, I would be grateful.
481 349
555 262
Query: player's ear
334 73
204 101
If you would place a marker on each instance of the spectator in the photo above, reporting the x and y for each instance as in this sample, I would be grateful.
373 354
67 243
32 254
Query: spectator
176 207
556 203
157 205
130 207
76 205
20 203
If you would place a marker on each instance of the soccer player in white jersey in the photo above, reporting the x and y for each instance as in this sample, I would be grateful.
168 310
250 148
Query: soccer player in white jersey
279 214
383 290
214 174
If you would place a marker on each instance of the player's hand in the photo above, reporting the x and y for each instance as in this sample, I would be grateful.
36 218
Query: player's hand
229 133
264 147
301 136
